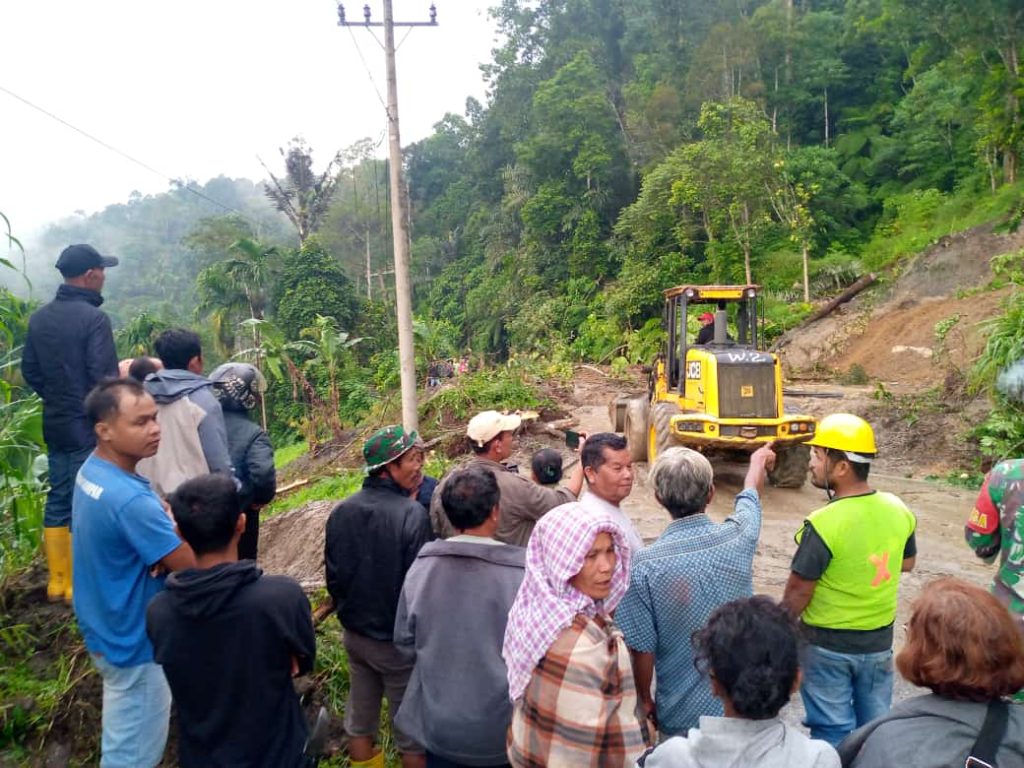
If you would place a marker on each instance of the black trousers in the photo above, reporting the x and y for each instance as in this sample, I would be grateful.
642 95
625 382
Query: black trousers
247 545
436 761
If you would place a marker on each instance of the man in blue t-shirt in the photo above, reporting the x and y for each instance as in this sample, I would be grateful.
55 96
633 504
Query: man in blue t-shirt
123 544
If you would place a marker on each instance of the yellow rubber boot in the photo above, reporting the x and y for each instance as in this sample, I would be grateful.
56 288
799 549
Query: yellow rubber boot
377 761
67 584
55 544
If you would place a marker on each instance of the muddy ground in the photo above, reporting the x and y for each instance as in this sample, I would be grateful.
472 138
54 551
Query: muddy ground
294 541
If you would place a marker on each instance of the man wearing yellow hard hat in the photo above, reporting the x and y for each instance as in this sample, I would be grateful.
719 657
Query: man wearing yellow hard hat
844 581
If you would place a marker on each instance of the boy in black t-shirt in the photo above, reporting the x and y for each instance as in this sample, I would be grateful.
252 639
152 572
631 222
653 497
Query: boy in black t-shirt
230 640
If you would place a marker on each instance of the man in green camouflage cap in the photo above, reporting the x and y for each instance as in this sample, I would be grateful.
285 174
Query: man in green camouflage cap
996 525
372 538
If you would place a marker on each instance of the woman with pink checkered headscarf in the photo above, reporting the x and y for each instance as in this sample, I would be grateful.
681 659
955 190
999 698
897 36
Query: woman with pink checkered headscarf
569 671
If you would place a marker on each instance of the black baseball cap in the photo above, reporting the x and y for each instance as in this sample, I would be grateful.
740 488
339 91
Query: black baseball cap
76 260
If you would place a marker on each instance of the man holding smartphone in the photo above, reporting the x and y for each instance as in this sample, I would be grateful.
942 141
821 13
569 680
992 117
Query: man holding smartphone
492 439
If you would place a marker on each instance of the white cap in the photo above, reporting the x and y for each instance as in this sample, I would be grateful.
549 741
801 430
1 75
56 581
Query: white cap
487 425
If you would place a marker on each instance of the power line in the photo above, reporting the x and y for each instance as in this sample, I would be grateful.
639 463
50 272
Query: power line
123 154
366 66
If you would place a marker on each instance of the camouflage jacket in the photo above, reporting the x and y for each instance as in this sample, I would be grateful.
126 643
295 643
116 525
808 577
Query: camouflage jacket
996 527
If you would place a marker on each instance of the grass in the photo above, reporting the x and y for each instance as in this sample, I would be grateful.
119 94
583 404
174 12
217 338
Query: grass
42 660
336 487
916 220
500 388
970 480
289 453
331 675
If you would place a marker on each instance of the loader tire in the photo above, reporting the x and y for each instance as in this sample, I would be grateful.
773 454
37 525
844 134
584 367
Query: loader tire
635 428
659 437
790 466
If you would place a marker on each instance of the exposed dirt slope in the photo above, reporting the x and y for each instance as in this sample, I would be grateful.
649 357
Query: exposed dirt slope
889 331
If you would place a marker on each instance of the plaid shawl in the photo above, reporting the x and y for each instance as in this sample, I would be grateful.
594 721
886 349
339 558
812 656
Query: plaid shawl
580 707
546 602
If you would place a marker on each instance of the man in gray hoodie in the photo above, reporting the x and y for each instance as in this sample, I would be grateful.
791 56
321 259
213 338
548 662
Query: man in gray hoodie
452 612
194 440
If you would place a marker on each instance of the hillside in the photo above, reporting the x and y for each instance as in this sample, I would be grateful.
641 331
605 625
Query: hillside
890 331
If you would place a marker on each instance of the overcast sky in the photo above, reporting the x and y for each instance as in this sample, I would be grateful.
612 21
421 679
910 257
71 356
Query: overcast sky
199 88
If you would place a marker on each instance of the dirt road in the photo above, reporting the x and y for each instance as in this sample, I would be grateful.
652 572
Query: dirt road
941 512
293 542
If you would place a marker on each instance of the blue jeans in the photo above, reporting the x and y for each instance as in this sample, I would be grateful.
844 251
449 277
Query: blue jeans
64 468
843 691
136 714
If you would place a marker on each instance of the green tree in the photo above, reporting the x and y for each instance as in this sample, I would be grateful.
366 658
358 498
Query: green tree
311 283
136 337
984 35
724 181
327 346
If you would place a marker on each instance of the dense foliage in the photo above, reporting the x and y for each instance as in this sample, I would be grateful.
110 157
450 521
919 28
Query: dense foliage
629 145
22 463
625 146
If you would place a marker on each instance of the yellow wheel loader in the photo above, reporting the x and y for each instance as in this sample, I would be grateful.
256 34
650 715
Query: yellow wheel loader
720 397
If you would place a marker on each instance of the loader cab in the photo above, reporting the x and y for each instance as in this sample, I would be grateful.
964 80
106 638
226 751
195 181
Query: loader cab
683 300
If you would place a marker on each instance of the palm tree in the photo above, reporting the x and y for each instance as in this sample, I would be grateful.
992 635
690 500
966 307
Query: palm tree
302 195
236 288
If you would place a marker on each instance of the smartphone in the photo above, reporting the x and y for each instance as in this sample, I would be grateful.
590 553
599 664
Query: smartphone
572 439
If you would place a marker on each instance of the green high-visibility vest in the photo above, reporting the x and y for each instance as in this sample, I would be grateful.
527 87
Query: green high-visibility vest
866 536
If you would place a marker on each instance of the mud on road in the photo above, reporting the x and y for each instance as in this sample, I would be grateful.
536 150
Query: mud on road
941 512
293 542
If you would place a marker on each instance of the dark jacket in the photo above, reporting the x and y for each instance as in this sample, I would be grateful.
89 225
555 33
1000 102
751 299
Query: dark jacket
372 539
252 456
453 609
225 637
68 351
929 732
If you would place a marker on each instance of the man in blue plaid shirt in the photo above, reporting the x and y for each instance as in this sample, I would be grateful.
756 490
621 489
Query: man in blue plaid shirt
676 583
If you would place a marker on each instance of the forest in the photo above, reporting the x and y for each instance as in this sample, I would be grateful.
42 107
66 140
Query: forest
623 147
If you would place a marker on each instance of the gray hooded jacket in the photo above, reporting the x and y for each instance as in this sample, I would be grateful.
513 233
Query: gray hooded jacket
731 742
193 438
452 611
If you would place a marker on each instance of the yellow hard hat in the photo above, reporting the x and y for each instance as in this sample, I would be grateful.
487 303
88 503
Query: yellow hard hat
845 432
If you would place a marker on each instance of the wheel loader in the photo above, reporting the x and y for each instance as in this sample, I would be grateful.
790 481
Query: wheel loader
722 397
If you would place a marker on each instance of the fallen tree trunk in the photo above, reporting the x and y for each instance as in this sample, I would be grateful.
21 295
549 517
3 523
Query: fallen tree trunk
282 490
842 298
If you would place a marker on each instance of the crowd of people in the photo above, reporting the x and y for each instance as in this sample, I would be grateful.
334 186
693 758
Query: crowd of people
507 620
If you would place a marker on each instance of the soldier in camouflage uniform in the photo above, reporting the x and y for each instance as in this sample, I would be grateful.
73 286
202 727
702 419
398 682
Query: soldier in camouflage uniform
996 527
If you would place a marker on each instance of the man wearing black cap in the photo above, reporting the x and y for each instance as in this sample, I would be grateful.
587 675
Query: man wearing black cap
69 349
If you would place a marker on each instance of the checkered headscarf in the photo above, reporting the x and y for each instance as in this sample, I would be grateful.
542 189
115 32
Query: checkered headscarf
546 602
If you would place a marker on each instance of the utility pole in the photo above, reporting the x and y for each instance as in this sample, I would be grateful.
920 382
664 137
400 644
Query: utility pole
370 274
399 229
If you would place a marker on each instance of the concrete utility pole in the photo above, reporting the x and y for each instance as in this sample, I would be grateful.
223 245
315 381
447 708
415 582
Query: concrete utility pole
399 229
